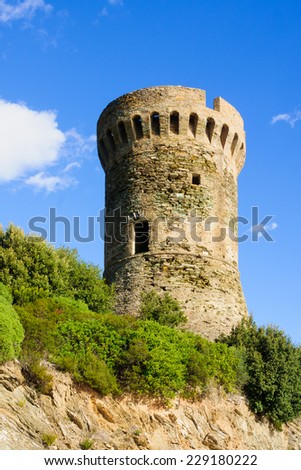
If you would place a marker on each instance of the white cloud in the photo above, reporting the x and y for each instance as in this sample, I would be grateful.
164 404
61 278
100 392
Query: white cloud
11 11
116 2
264 228
43 181
70 166
76 144
291 118
29 140
46 39
273 226
104 12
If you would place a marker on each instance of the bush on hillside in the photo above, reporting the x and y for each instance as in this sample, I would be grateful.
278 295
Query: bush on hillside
274 367
188 362
11 331
33 269
112 352
164 309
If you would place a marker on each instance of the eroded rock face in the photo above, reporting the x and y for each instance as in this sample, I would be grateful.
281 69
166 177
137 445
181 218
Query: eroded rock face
74 415
171 168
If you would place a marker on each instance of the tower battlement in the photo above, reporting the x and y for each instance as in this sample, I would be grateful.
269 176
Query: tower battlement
171 167
171 113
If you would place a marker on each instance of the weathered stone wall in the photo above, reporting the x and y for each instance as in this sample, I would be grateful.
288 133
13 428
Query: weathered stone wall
173 162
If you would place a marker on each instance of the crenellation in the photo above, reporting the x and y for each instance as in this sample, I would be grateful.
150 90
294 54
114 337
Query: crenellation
226 109
217 116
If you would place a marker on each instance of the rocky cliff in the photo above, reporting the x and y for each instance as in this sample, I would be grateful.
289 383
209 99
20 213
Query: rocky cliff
75 417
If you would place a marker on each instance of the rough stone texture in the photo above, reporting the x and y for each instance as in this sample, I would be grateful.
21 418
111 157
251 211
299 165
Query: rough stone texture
74 414
153 167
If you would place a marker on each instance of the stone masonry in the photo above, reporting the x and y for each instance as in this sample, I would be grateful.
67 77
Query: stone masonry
171 167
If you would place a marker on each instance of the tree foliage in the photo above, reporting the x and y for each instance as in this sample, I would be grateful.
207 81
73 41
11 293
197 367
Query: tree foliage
164 309
274 369
11 331
34 269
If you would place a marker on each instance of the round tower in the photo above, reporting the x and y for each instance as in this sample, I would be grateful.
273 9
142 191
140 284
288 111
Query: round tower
171 169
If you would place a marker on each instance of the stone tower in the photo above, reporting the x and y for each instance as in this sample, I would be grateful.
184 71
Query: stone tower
171 167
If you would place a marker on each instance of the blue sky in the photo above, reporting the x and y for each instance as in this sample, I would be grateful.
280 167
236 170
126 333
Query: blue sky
62 62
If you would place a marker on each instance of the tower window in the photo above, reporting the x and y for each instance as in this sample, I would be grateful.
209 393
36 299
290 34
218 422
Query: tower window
141 236
241 150
234 143
155 123
193 122
224 134
103 149
174 122
111 140
196 179
210 128
122 132
137 122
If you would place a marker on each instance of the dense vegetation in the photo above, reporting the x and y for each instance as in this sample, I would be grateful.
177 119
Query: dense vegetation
11 331
273 364
65 309
33 269
114 353
163 309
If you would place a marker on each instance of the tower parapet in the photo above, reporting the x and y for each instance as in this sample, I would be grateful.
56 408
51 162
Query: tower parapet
171 168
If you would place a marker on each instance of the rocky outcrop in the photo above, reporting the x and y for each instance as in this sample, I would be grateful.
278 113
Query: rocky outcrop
75 417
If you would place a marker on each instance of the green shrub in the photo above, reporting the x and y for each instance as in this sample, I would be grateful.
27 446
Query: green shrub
87 444
21 403
41 318
80 337
96 373
117 352
88 368
274 367
152 362
163 361
11 331
164 309
6 294
39 376
48 439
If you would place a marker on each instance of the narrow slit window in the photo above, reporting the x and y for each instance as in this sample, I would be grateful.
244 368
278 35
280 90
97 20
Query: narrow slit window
193 123
111 140
241 150
141 236
137 122
122 132
234 143
155 123
174 122
224 134
210 128
103 149
196 179
240 155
